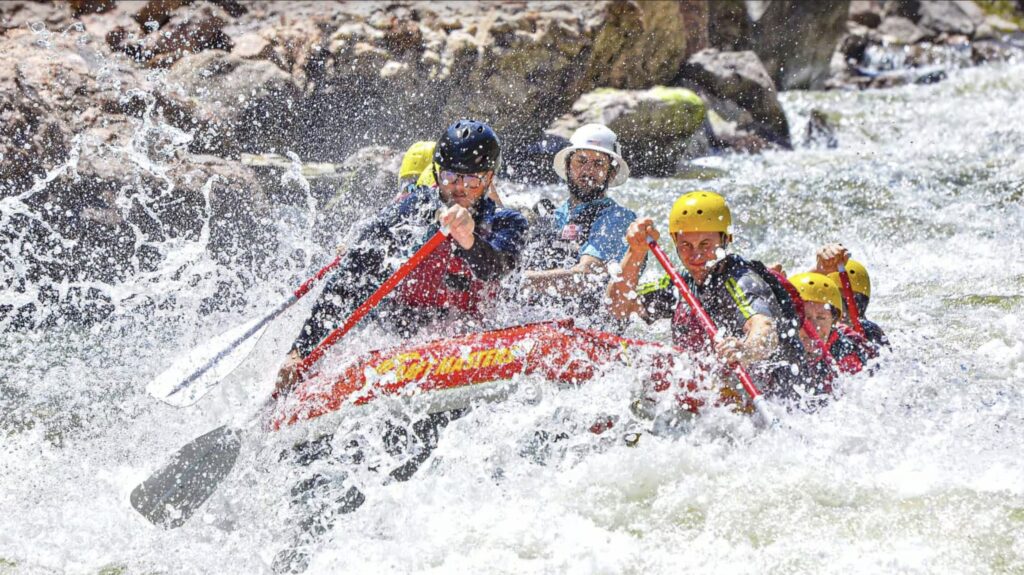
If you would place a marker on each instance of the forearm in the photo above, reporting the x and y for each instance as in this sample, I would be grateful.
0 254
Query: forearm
760 339
588 272
622 290
486 261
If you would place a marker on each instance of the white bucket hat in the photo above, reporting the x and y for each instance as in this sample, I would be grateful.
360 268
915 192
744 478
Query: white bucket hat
599 138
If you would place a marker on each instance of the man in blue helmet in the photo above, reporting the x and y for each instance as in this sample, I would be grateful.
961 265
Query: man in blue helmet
484 245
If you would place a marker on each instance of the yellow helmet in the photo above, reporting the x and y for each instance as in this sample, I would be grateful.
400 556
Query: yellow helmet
700 211
427 176
818 288
860 281
416 158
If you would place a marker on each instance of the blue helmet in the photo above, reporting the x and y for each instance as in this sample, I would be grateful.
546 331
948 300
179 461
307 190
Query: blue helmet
468 147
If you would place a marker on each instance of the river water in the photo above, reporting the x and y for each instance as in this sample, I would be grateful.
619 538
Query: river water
918 469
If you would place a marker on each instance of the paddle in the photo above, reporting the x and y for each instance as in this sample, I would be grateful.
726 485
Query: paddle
709 326
194 375
851 304
812 333
172 494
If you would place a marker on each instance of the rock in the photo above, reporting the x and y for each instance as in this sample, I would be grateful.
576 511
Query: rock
86 148
867 13
36 15
740 77
188 29
644 43
800 64
234 104
853 48
729 26
985 51
952 17
80 7
900 30
652 125
1000 24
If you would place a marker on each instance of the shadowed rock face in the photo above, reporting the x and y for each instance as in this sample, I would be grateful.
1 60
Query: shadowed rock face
796 39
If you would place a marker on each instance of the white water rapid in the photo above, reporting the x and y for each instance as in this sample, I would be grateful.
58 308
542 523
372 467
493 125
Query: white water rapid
917 469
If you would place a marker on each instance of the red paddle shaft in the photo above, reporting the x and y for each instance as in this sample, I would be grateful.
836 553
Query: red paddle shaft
709 327
371 302
851 305
308 284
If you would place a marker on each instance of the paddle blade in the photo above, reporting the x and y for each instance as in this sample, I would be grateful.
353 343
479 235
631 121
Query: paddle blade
192 376
171 495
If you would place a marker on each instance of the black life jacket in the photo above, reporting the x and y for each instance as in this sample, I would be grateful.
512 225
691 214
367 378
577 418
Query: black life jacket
782 378
559 248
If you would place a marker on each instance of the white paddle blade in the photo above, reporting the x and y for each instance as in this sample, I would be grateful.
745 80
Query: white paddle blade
192 376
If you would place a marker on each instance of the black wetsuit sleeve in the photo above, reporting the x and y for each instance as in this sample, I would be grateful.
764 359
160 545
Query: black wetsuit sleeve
360 272
658 299
496 254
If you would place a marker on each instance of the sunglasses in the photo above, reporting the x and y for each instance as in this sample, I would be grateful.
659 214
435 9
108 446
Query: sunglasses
471 181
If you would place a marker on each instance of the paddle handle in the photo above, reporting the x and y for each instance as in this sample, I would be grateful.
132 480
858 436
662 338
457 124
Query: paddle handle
308 284
851 304
421 254
709 326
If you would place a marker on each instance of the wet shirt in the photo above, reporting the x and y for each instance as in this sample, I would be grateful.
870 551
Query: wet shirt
389 239
559 241
606 237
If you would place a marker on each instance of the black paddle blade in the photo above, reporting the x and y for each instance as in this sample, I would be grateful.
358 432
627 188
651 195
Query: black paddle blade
173 494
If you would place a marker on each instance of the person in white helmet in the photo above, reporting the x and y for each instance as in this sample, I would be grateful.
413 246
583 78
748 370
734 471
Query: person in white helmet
567 259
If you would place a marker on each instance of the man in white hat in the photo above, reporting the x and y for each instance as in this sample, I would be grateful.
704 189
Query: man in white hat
567 260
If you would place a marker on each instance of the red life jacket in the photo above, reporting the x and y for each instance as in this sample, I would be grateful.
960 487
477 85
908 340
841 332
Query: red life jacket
865 349
845 351
444 280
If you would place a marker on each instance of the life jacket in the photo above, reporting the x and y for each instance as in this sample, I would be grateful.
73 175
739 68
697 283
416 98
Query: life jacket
847 350
866 348
779 379
444 281
560 247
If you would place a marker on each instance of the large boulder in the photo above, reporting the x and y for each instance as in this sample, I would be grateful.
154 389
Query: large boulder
94 178
899 30
234 104
951 17
381 73
795 40
653 125
740 91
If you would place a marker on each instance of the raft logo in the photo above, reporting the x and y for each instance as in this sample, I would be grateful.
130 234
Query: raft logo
413 366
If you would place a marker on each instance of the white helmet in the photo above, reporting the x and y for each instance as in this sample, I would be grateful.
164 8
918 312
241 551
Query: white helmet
599 138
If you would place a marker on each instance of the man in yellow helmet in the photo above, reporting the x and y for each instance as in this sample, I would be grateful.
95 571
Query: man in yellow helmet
754 314
822 303
829 258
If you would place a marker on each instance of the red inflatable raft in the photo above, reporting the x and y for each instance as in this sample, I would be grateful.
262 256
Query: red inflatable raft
558 351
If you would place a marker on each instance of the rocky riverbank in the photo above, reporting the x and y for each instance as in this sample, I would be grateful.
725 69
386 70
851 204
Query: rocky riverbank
127 126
